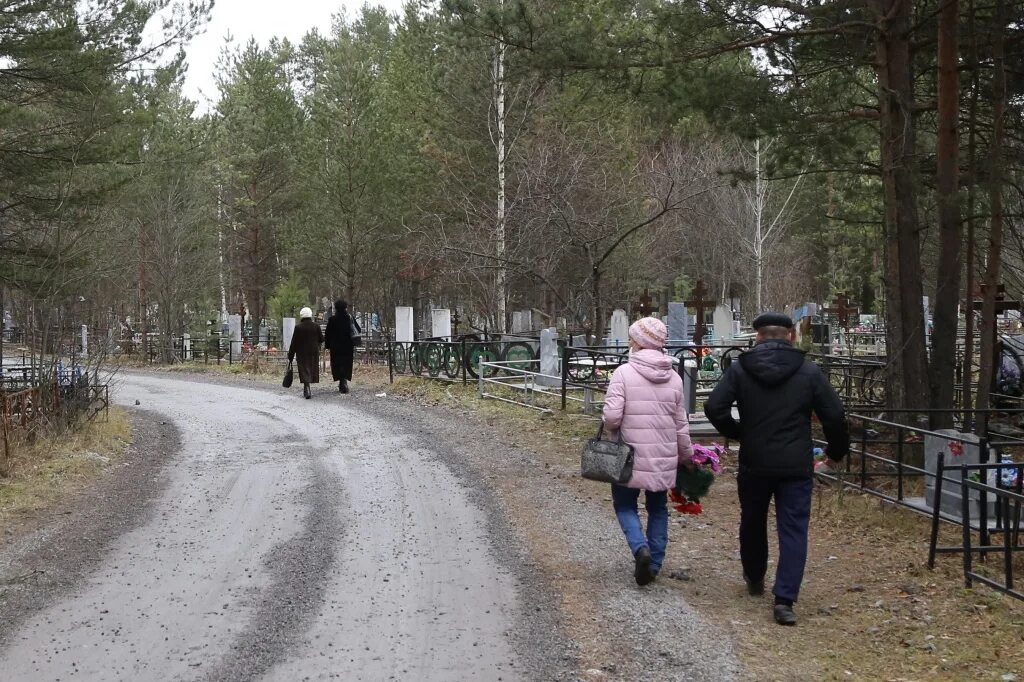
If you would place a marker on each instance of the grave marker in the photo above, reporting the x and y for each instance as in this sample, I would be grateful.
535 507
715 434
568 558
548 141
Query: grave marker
701 304
723 323
678 323
235 334
287 330
550 363
441 324
404 326
619 328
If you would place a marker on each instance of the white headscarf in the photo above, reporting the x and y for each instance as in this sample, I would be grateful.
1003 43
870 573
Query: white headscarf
305 313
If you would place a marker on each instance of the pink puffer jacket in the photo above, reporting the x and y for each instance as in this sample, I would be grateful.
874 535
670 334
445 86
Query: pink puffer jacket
645 402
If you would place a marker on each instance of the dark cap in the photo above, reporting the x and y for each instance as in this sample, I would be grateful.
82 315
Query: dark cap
773 320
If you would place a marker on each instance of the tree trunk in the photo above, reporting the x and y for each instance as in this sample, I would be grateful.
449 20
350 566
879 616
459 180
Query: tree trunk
995 235
967 370
501 283
908 363
947 285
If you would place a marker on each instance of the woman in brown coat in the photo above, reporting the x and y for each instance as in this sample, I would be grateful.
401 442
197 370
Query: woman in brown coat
306 342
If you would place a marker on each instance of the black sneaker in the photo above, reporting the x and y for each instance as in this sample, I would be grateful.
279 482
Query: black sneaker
643 573
755 588
784 614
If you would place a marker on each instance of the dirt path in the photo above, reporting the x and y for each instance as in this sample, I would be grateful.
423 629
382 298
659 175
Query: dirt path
291 540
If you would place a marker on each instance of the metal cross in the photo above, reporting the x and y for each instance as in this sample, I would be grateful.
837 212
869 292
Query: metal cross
842 309
645 307
701 304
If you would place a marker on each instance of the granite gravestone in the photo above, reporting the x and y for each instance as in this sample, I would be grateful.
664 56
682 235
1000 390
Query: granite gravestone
965 450
550 364
678 324
287 330
235 334
618 330
441 324
404 324
722 320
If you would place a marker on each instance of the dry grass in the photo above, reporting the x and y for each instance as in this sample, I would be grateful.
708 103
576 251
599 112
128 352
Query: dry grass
870 609
50 467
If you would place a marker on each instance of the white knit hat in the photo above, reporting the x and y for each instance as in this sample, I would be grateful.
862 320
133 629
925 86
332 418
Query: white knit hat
305 313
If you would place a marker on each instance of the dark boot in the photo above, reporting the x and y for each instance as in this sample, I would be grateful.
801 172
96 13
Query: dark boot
344 386
642 571
784 614
755 588
341 386
306 392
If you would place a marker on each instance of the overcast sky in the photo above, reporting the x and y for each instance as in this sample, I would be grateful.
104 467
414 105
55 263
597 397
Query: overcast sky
262 20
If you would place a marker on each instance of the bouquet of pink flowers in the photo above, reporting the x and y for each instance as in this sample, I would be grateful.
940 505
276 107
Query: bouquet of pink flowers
693 482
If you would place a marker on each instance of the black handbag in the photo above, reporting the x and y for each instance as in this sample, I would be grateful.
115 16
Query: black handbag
607 461
289 376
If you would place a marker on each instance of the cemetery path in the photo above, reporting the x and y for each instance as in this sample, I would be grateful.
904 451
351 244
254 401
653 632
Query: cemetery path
291 539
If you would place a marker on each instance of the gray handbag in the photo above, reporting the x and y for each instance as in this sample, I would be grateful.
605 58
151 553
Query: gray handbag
607 461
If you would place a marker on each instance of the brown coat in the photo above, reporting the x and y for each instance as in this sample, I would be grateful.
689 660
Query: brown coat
306 342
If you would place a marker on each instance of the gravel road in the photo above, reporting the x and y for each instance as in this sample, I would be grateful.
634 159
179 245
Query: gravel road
292 539
253 535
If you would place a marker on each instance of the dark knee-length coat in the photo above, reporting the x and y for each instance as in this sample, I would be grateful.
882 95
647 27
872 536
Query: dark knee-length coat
339 341
305 349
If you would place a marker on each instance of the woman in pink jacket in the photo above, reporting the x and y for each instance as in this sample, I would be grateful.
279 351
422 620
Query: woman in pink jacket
645 403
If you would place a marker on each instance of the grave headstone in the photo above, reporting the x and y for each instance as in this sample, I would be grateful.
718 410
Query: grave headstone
723 323
85 340
550 364
287 330
441 324
264 337
186 347
955 453
235 334
522 321
619 328
404 324
678 323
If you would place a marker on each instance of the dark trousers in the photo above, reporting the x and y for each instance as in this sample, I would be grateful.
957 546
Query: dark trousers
793 515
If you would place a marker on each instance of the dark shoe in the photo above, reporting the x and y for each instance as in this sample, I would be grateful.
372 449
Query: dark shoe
784 614
642 573
306 392
755 588
344 386
341 387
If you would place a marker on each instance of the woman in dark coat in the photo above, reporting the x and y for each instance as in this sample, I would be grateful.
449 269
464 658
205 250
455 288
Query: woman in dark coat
305 345
339 342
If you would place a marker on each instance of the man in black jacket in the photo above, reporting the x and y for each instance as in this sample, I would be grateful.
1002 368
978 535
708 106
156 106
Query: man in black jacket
775 390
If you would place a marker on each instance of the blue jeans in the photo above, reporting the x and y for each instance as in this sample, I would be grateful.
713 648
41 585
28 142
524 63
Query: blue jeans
625 502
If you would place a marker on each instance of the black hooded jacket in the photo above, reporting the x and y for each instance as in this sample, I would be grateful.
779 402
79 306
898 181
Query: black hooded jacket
775 389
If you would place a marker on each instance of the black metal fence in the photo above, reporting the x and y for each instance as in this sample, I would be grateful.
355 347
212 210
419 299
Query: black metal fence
454 360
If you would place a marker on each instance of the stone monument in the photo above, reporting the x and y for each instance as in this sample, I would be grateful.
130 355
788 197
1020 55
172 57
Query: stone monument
404 325
550 363
678 324
722 320
618 330
441 324
287 330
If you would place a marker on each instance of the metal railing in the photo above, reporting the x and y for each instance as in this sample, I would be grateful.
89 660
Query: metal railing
513 377
457 360
1008 502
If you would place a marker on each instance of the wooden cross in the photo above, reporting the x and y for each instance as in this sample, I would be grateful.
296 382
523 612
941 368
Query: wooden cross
455 322
701 304
1002 305
842 309
645 306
